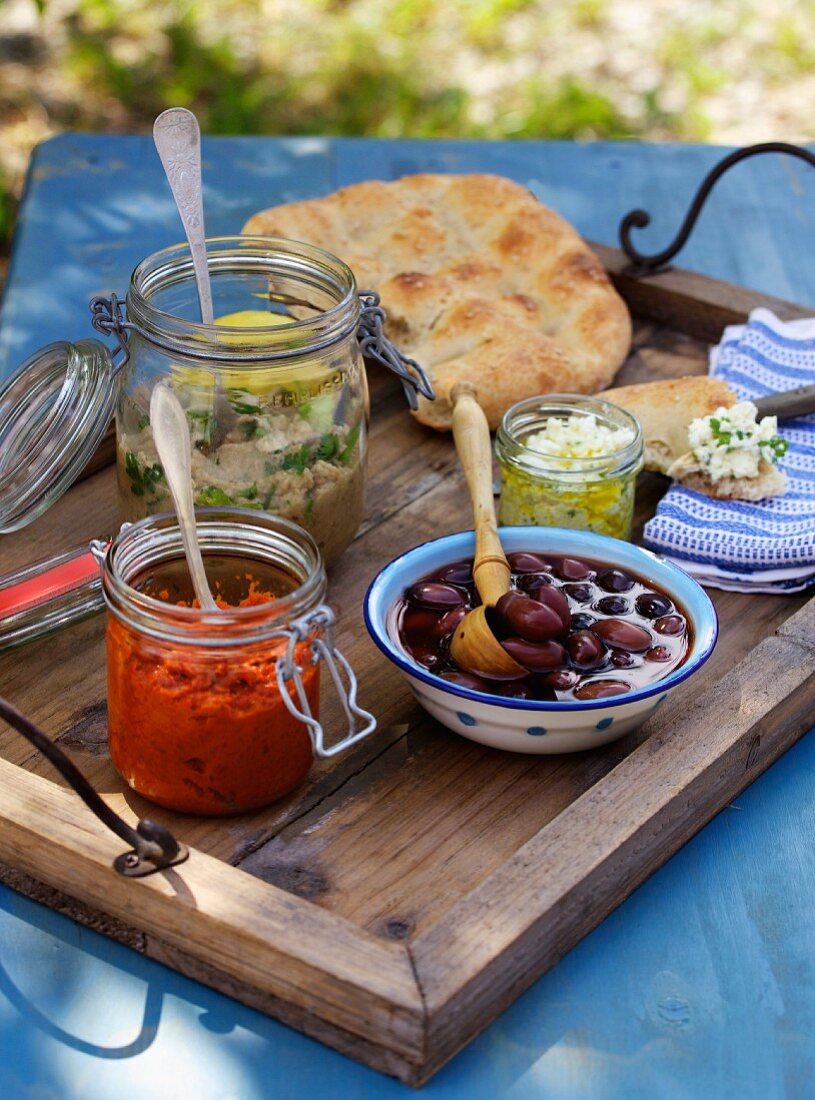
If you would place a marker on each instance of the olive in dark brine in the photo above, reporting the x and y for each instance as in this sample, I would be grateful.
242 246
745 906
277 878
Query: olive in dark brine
622 635
554 598
601 689
613 605
580 593
465 680
658 653
620 659
514 689
670 624
614 580
529 619
460 572
585 650
651 605
570 569
536 656
527 563
562 680
418 624
449 621
435 595
531 582
581 621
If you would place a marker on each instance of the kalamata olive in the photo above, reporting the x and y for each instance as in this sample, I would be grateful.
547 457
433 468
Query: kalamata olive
536 656
529 619
651 605
614 580
570 569
449 621
601 689
580 593
418 624
427 658
620 659
465 680
582 621
527 563
658 653
531 582
562 680
554 598
622 635
613 605
585 650
670 624
435 595
460 572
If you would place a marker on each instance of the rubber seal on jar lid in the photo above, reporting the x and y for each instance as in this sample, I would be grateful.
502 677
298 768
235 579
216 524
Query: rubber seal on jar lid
54 412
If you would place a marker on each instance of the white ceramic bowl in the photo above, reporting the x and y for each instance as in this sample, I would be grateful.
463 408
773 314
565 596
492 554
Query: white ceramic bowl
522 725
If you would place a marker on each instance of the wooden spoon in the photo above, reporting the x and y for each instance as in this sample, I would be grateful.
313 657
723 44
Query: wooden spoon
474 646
171 436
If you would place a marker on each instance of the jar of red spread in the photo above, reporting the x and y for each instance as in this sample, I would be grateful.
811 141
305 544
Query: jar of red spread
218 712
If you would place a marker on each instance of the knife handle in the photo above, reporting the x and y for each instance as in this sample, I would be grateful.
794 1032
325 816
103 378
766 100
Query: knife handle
786 405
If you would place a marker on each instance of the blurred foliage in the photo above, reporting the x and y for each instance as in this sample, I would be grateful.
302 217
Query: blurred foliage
731 71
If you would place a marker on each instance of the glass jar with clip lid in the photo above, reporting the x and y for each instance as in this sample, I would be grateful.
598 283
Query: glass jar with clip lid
275 391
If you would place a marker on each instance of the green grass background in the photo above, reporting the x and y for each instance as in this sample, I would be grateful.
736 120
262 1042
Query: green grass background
728 71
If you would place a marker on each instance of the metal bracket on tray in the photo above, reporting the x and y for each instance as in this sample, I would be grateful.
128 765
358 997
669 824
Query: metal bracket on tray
638 219
106 317
305 629
153 846
375 344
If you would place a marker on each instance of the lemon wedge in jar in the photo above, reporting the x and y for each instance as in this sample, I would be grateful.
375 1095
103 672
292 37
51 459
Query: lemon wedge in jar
300 376
252 318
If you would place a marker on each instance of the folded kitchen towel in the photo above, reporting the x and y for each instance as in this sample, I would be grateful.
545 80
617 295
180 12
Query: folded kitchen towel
766 545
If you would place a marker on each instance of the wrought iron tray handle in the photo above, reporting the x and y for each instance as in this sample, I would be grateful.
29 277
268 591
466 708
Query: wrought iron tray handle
642 264
154 847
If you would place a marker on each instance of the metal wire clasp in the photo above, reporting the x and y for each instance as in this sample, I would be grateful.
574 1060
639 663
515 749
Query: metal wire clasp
309 628
374 343
106 317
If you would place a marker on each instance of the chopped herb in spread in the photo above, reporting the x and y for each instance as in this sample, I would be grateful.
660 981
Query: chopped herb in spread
731 443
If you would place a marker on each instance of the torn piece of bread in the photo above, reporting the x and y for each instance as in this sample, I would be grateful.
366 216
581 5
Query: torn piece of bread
771 482
665 411
480 281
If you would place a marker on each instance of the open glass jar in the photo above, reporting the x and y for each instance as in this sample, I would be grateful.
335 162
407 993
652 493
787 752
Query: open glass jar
581 484
217 712
276 411
275 393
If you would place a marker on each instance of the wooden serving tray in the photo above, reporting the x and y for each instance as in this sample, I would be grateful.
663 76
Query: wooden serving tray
413 888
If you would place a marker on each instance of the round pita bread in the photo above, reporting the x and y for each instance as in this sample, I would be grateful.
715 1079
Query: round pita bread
480 281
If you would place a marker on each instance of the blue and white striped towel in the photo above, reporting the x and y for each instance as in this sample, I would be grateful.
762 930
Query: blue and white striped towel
768 545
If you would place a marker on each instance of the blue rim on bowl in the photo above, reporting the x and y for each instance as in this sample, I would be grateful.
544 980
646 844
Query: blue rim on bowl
389 583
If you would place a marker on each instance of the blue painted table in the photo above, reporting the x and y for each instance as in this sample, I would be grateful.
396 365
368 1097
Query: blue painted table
703 982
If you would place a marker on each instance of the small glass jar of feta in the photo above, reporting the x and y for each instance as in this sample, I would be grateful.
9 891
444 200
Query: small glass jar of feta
569 461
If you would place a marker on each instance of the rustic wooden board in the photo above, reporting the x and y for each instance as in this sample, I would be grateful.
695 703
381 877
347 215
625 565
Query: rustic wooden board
413 888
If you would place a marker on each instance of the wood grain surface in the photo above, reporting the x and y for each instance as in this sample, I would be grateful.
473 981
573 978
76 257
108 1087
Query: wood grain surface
447 875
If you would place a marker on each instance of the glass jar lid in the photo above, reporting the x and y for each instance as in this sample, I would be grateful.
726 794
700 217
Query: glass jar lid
54 411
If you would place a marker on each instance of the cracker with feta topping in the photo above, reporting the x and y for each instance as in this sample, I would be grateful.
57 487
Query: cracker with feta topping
697 433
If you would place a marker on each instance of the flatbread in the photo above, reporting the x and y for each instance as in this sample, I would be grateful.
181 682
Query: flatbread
480 281
665 411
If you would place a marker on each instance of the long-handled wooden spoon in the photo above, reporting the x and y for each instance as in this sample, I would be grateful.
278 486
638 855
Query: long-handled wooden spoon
474 647
171 436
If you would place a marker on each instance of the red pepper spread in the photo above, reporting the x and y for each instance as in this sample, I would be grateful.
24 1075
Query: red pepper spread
203 730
